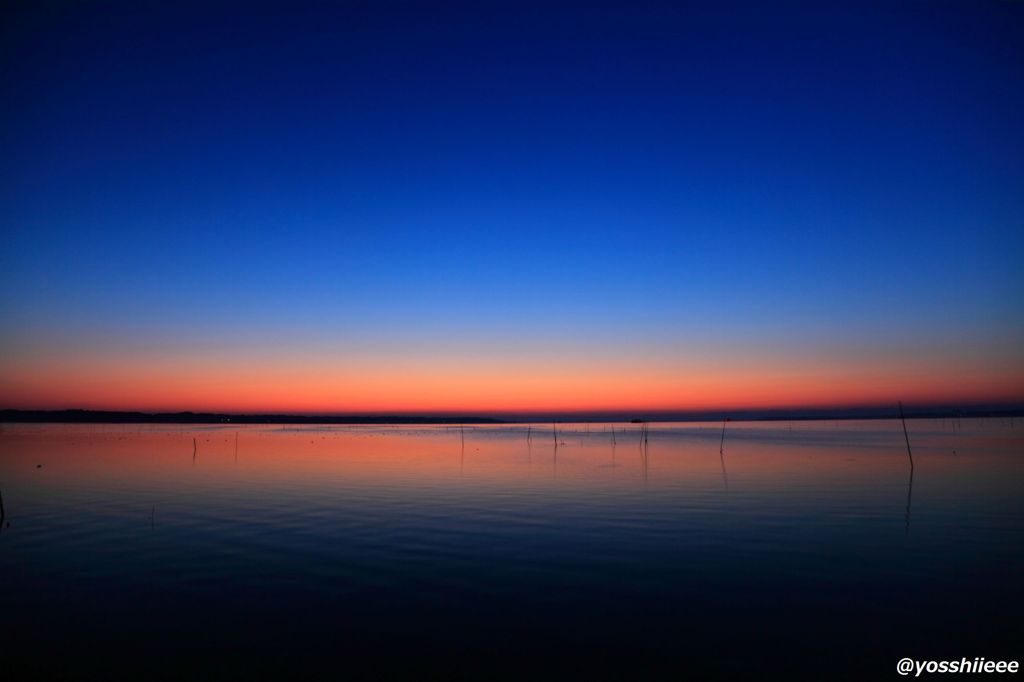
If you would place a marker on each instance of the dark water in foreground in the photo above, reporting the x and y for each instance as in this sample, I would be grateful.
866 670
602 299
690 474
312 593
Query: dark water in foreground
378 552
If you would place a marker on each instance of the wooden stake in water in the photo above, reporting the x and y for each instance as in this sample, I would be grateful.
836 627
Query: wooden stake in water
906 437
721 445
554 433
193 448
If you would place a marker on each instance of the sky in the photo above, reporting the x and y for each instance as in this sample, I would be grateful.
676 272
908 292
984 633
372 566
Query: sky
491 208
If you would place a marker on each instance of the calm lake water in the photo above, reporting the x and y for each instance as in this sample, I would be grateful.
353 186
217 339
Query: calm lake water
804 549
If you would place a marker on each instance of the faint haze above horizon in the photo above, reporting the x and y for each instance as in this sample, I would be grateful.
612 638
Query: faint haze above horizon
508 208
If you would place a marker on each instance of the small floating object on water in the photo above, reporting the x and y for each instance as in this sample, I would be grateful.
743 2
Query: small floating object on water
39 466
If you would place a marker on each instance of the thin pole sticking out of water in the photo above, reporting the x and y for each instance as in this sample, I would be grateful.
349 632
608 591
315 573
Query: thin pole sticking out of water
643 450
906 437
613 434
554 433
193 448
529 428
721 445
910 480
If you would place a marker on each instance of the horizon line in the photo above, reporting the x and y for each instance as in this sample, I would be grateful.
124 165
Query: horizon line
874 411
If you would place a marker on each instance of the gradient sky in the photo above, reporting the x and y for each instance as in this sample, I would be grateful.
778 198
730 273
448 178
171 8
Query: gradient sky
491 207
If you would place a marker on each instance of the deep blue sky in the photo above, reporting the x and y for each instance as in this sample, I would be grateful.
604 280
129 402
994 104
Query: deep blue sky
509 180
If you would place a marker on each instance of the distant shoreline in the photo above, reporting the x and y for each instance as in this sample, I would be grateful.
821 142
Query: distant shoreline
74 416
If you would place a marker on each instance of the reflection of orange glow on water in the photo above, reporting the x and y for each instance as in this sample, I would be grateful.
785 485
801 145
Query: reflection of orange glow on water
404 458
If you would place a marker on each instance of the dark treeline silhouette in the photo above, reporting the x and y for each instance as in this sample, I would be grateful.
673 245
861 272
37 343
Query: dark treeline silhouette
875 412
105 417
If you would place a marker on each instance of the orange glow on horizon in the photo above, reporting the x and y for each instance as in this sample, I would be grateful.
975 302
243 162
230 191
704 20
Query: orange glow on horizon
244 385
